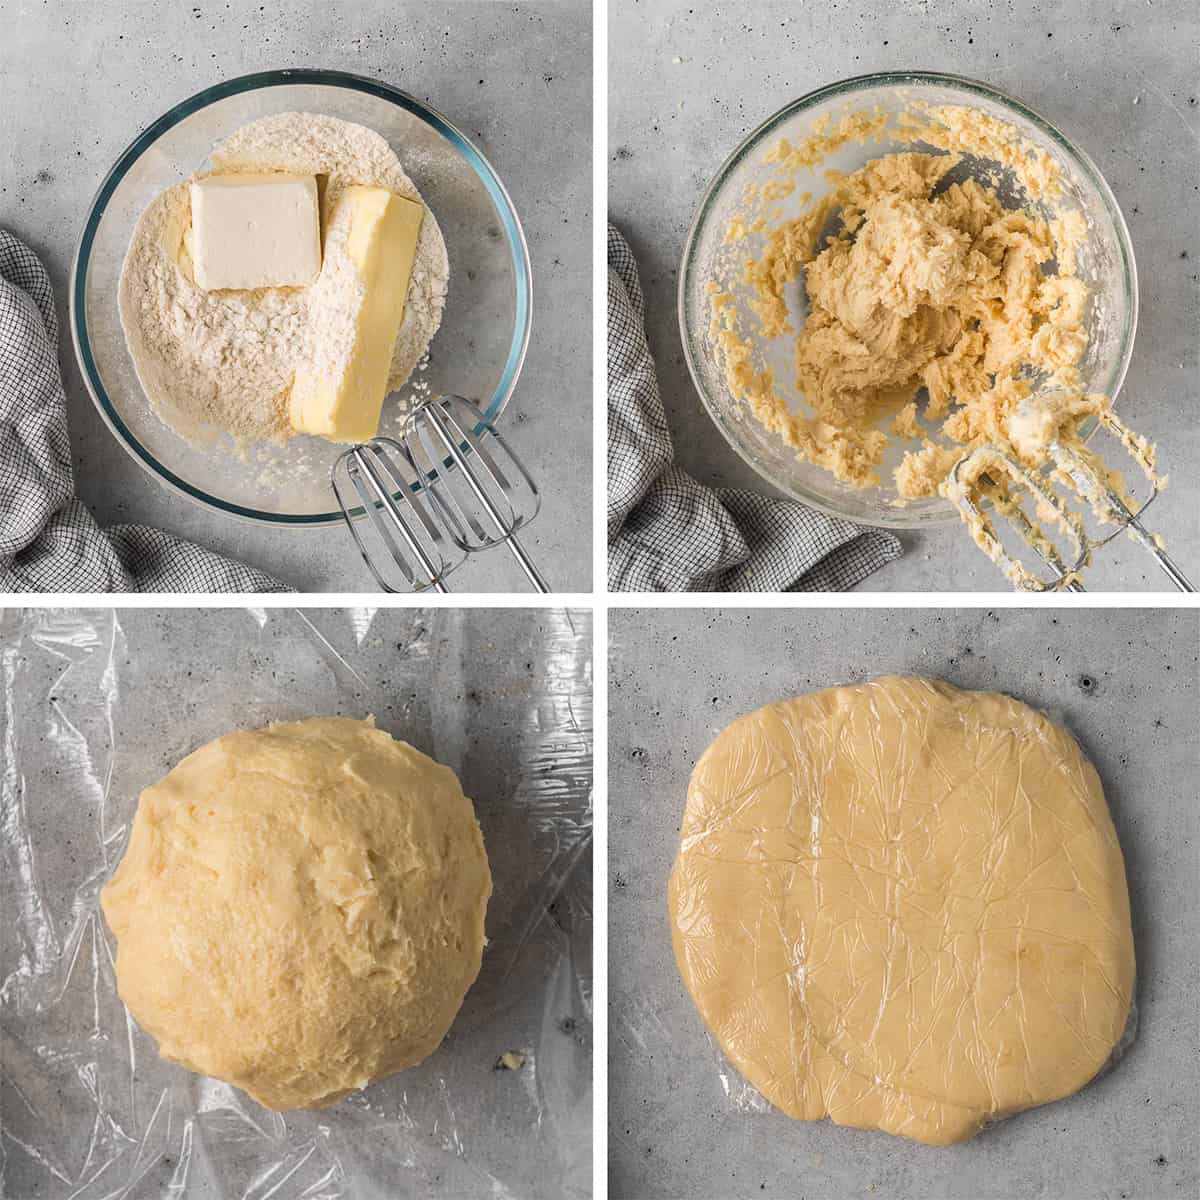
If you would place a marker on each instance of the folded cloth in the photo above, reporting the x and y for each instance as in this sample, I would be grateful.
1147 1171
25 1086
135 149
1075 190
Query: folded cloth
666 532
48 541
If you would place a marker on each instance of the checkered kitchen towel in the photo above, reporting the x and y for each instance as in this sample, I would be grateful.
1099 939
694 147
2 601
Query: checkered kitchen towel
48 541
668 533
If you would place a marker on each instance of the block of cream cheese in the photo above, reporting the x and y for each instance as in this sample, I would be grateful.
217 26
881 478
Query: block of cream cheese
255 231
339 392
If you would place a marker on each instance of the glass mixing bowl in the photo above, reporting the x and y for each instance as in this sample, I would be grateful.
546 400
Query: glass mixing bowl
1105 263
477 352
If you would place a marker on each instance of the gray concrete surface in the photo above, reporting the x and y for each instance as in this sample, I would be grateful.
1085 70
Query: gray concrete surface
100 704
688 81
79 81
1124 681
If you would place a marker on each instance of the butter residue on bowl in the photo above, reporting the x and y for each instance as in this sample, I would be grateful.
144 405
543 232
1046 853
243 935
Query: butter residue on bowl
918 277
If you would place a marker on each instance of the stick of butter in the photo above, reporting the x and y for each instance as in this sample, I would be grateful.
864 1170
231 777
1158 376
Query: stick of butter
255 231
341 398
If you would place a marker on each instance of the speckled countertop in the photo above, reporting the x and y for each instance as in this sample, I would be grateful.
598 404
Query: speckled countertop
79 81
1123 681
688 81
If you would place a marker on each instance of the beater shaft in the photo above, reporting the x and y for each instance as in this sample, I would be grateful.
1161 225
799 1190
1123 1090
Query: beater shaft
450 432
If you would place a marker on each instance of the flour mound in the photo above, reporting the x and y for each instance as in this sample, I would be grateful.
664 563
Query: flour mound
214 363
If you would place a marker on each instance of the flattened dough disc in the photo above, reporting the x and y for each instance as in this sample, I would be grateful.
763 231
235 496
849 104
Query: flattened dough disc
903 906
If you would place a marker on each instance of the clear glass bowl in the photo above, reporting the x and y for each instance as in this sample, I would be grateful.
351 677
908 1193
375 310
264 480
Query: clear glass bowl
477 352
1105 263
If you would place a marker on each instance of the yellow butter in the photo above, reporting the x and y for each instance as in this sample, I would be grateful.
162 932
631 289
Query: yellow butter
381 243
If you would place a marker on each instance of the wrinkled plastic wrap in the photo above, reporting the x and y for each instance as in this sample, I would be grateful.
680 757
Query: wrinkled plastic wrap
97 705
904 907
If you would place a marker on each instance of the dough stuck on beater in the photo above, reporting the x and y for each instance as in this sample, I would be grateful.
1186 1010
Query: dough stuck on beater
300 909
903 906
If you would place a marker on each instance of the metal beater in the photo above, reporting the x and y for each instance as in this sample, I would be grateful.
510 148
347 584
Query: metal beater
449 487
994 472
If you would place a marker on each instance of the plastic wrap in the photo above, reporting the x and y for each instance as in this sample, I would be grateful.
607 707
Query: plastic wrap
97 705
904 907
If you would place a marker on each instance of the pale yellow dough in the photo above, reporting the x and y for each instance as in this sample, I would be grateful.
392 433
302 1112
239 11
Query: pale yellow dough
300 910
903 906
925 286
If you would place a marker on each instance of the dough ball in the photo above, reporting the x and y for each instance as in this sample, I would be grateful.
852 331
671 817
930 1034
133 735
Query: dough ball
300 909
903 906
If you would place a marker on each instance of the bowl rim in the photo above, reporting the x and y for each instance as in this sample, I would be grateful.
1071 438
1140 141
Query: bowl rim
850 85
259 80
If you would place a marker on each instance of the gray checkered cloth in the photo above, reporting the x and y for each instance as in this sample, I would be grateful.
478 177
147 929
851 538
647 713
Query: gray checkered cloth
48 541
666 532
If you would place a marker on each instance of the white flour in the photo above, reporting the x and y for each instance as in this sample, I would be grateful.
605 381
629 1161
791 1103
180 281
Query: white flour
214 363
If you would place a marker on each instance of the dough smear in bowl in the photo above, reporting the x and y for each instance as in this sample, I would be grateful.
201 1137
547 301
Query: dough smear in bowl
934 303
300 909
903 906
